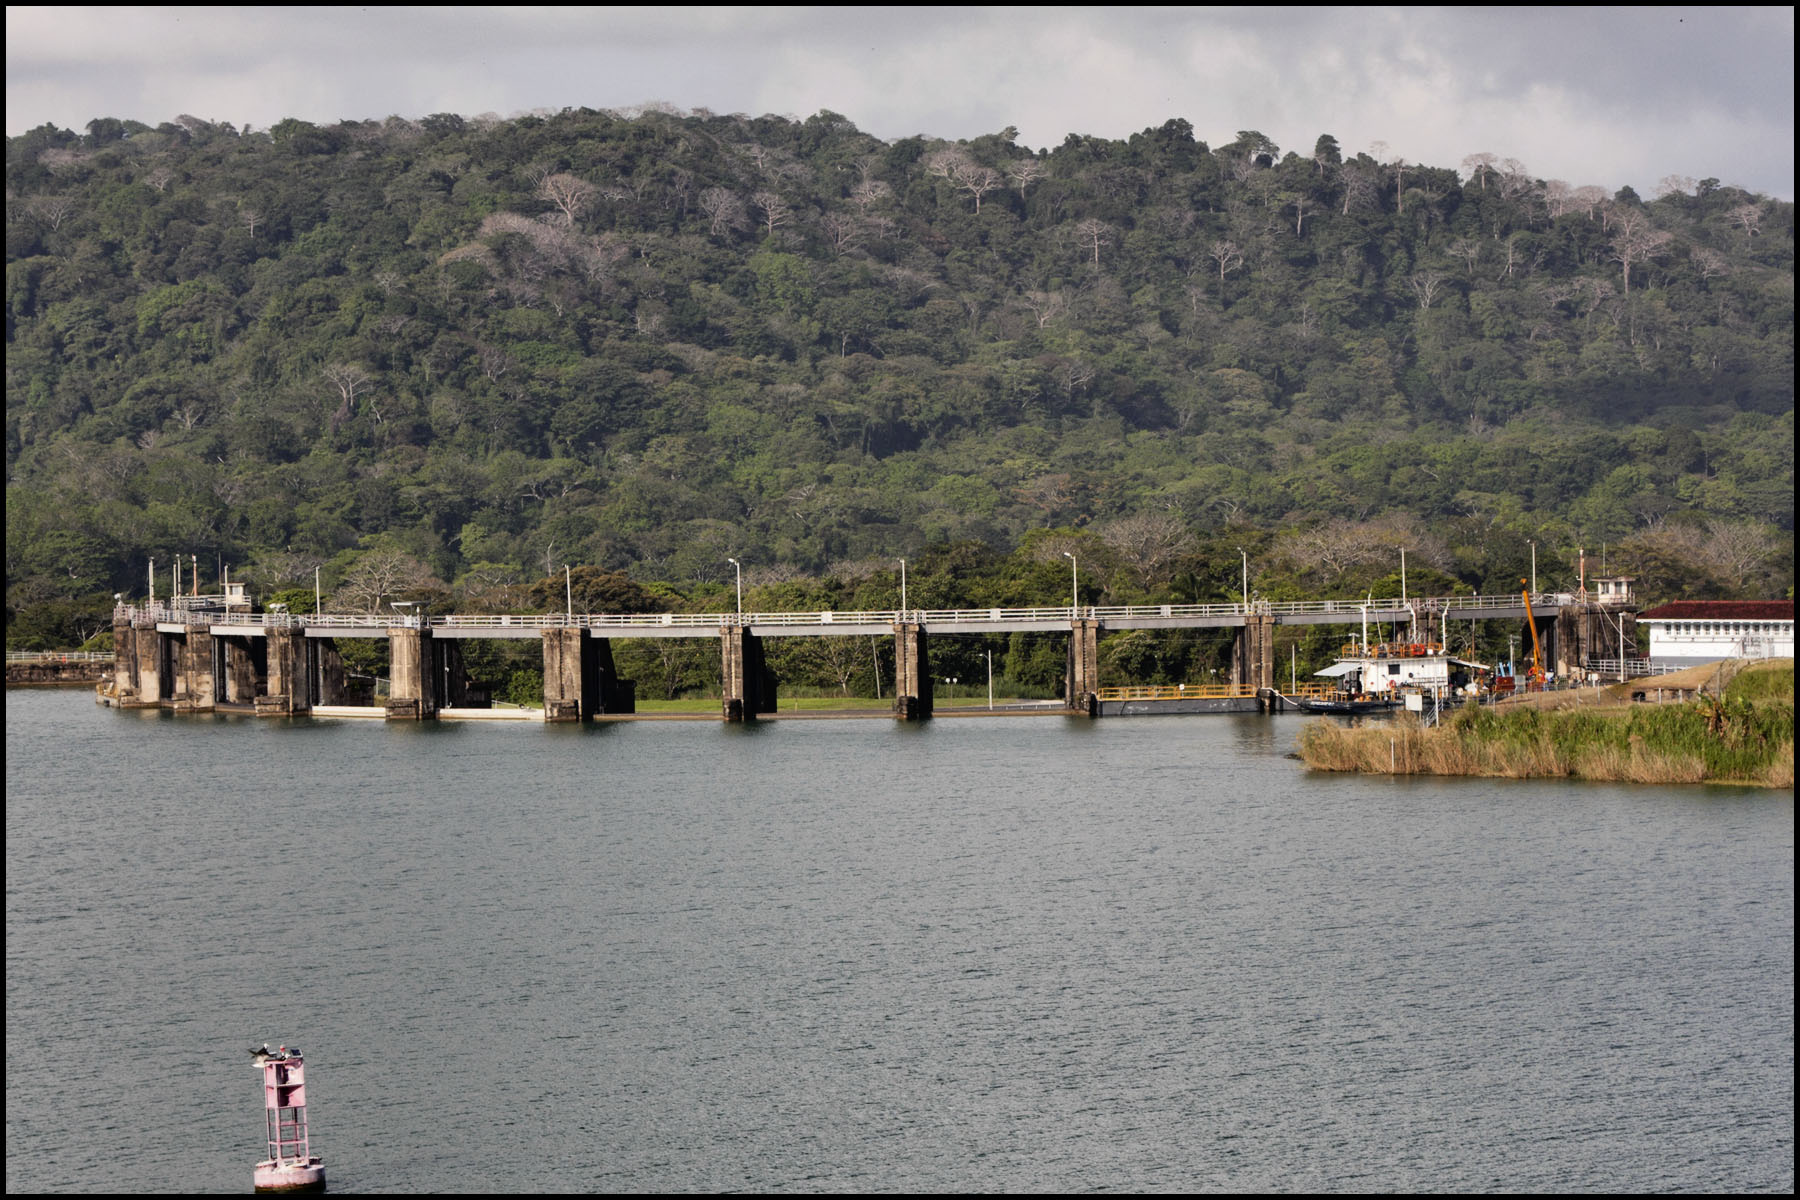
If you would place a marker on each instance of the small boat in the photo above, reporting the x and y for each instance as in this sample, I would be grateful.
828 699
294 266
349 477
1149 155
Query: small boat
1344 703
1377 677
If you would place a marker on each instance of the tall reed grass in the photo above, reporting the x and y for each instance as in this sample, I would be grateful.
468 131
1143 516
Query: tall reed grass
1710 740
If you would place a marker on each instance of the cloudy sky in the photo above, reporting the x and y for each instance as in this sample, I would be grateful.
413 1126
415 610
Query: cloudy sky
1591 95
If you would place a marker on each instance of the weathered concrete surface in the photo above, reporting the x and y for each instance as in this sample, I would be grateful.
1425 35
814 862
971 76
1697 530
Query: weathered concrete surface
912 673
1253 653
49 674
412 684
287 687
749 685
192 656
1083 679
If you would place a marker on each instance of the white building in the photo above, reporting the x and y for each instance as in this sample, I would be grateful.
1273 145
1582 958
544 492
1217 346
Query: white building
1688 633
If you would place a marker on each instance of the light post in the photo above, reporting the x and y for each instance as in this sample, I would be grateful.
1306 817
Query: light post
1533 546
569 591
318 604
1403 574
740 588
903 589
1246 559
153 583
1510 639
1074 585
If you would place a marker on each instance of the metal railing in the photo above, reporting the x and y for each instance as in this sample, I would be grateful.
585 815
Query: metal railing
1350 610
37 657
1179 691
1635 668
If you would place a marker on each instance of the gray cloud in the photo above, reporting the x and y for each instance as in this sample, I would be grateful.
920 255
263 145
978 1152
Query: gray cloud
1592 95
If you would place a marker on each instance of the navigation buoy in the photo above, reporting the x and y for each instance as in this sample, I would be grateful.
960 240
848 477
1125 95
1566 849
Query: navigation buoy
291 1165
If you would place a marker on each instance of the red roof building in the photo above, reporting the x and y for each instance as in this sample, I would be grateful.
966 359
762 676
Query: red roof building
1688 633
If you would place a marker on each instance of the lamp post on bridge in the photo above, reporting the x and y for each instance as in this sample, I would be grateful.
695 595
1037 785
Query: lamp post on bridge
569 592
903 589
1246 559
318 602
1074 585
740 588
1533 546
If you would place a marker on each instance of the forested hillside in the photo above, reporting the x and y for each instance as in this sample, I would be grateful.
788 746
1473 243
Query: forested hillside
446 357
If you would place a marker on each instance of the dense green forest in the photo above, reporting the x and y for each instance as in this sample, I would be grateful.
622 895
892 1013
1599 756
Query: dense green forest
442 358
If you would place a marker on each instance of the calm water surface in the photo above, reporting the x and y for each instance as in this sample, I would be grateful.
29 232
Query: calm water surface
994 953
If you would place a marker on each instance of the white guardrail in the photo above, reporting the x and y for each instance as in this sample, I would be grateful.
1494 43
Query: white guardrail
1349 609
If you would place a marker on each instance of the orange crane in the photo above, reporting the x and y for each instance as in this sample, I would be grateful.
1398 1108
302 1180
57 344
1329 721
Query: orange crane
1536 680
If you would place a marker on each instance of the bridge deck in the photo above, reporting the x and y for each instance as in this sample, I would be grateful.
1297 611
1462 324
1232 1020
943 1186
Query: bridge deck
850 624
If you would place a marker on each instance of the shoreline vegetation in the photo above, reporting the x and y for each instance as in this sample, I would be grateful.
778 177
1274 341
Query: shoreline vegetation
1739 729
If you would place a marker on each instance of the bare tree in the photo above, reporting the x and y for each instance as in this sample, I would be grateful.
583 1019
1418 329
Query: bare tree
1747 217
1709 263
943 163
1467 249
978 181
842 229
870 192
776 211
1094 233
1046 306
1229 258
1591 198
1736 549
1427 285
1636 241
1361 187
1148 543
53 210
159 177
1559 196
350 380
1480 166
1025 172
379 575
569 193
723 210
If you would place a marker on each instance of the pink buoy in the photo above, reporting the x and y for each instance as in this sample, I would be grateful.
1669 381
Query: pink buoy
291 1165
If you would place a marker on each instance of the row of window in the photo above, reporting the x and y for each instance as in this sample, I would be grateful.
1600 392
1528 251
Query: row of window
1725 628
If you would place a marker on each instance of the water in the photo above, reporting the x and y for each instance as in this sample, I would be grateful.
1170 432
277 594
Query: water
986 954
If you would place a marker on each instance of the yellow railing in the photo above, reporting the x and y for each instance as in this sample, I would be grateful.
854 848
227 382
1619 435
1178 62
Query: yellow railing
1188 691
1312 691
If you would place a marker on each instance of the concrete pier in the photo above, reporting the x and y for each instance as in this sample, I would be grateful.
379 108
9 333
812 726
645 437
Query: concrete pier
240 669
152 654
1083 681
287 685
749 685
1253 653
125 663
413 686
912 673
191 654
580 680
325 671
